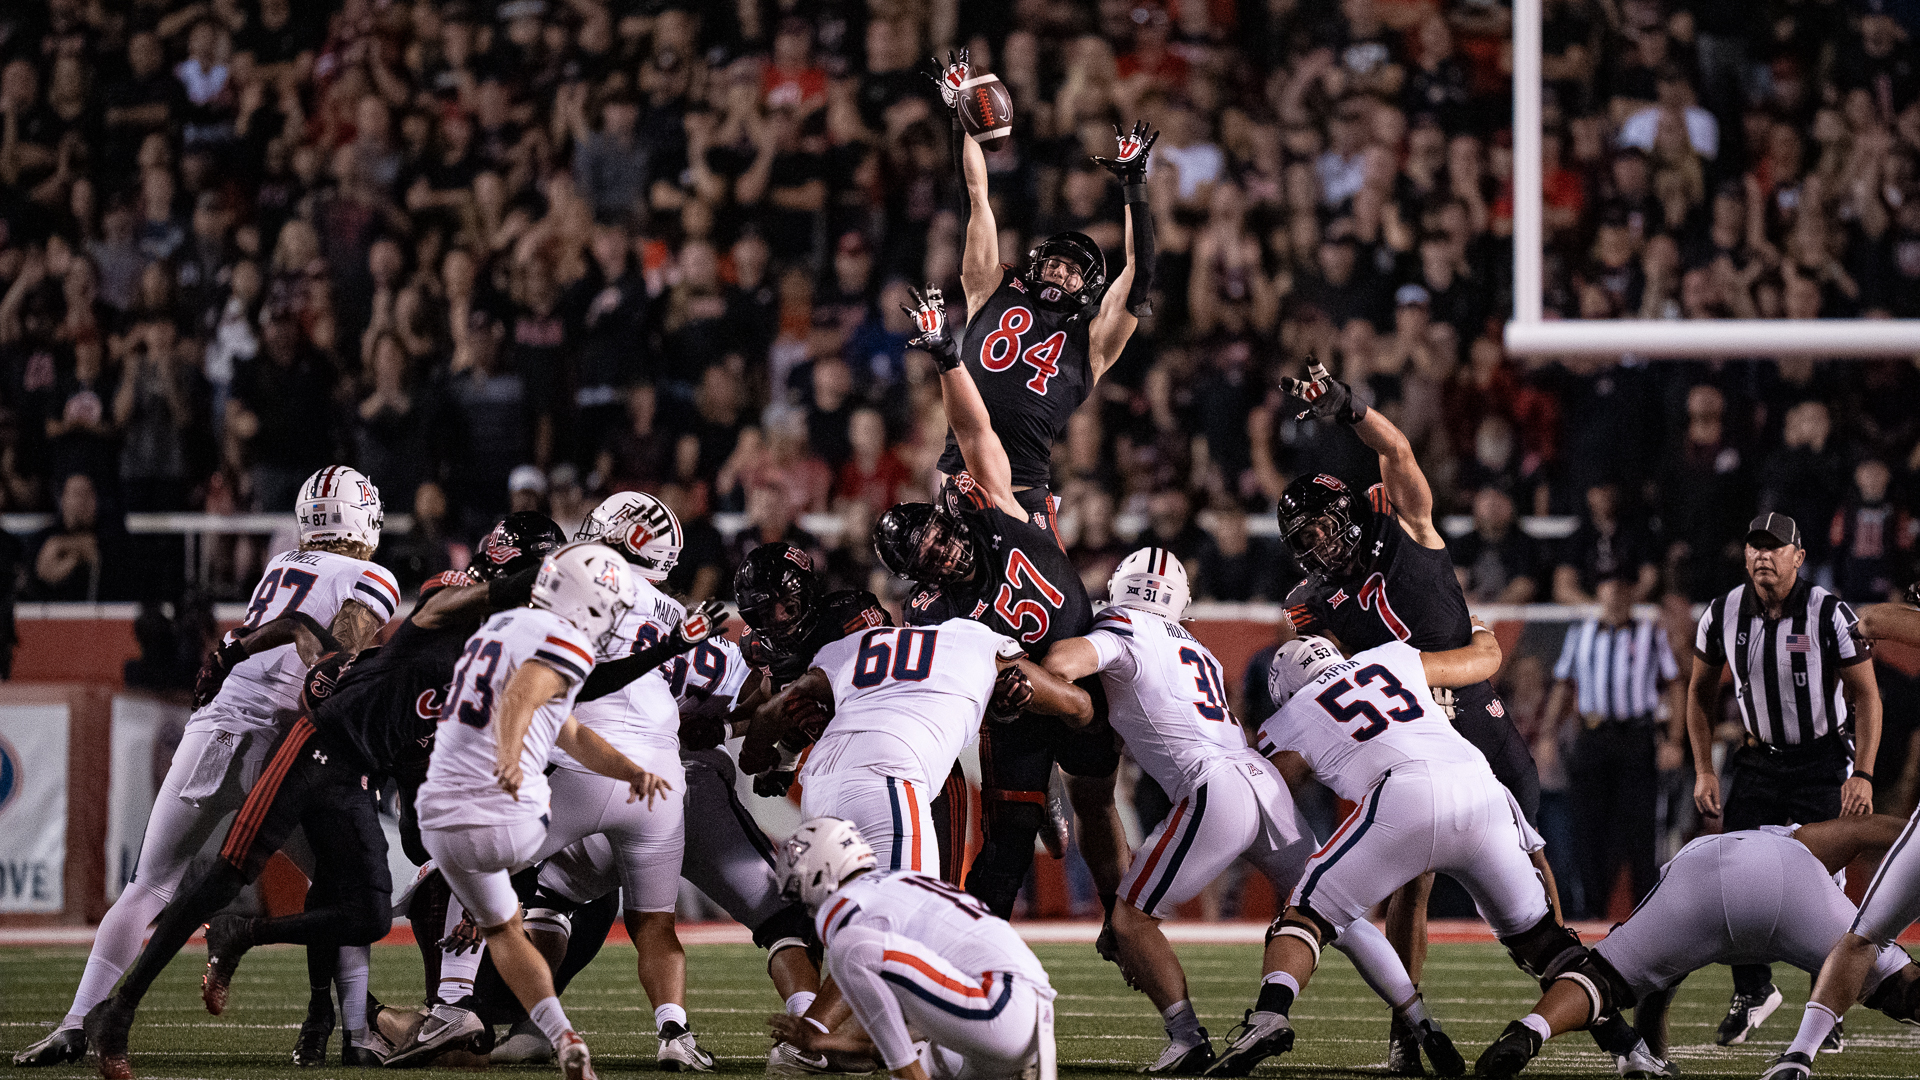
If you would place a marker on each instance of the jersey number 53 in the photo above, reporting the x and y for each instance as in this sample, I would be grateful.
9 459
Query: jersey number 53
1373 686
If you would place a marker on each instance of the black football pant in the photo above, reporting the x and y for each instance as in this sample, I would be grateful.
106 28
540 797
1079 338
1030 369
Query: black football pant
1016 765
1786 786
304 787
1481 719
1615 790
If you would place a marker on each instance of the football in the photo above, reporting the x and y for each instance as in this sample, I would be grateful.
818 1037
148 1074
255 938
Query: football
986 110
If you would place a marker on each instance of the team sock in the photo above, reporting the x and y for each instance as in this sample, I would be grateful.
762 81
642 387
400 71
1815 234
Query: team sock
1277 992
669 1013
1815 1024
800 1002
1414 1012
352 976
546 1013
1538 1025
1183 1026
457 970
116 943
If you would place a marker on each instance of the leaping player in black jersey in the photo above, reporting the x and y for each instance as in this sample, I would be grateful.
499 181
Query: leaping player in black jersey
1037 340
978 555
1377 571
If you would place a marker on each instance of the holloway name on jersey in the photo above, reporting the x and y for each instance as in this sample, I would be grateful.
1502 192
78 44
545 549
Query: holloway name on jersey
1033 369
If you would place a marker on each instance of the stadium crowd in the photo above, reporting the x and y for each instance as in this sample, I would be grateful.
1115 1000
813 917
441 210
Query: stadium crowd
533 251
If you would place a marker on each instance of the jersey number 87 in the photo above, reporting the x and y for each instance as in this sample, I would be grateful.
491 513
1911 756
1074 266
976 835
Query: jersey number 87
476 709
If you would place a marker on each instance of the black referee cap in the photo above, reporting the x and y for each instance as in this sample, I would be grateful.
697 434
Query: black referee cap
1773 530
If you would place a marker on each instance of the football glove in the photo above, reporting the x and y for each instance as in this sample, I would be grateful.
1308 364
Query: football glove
707 619
219 664
1012 693
929 315
1323 396
1129 162
950 75
773 784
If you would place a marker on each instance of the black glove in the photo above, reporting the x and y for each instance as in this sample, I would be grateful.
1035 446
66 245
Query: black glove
219 664
929 314
1325 397
950 75
1129 162
1012 693
707 619
774 784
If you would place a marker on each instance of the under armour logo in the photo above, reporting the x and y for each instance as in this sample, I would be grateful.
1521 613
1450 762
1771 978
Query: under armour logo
319 757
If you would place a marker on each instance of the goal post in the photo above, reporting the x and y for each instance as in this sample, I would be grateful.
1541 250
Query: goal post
1530 334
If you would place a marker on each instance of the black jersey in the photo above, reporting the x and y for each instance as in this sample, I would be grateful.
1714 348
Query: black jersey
385 704
1024 586
1034 368
1399 591
783 668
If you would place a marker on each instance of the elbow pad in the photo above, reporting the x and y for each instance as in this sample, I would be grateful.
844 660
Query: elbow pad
1139 296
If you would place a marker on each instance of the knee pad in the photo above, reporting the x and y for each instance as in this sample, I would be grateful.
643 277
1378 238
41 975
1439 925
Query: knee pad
549 920
1603 986
1545 949
1304 925
1898 996
787 928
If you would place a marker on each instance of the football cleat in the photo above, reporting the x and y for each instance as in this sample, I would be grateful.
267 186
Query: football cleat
1745 1013
524 1045
369 1051
63 1046
788 1060
679 1052
1258 1036
575 1062
227 941
442 1028
1510 1052
1183 1059
1791 1065
1439 1049
1403 1049
1640 1063
1836 1039
107 1026
315 1032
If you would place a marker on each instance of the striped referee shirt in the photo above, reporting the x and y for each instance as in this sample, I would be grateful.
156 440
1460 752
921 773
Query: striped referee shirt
1618 670
1786 671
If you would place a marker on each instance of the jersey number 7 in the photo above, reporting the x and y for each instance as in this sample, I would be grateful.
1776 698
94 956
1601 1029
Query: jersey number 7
1360 707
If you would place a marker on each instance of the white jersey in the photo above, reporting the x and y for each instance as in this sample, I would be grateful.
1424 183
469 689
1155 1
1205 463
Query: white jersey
946 919
460 787
1167 698
923 689
264 690
641 716
716 668
1365 715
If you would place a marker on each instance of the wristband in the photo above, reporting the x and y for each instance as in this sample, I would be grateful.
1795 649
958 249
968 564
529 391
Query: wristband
1479 629
1862 774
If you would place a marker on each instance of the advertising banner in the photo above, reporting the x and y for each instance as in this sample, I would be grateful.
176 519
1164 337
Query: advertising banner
33 807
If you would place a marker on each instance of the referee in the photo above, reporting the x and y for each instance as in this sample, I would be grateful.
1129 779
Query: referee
1793 652
1618 668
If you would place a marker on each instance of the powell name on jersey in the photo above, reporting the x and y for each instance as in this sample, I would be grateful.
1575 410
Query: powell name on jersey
1024 586
1033 369
265 689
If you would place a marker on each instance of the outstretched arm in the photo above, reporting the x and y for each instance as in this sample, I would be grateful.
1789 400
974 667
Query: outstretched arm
1476 661
1324 397
1024 686
980 259
1128 297
980 446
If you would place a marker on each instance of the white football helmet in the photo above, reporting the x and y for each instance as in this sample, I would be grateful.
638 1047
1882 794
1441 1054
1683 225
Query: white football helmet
821 853
339 503
1297 663
1150 580
588 585
640 528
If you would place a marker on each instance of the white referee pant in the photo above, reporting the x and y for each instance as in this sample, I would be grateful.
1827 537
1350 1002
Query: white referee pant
1736 898
1460 822
647 840
984 1026
892 813
1892 900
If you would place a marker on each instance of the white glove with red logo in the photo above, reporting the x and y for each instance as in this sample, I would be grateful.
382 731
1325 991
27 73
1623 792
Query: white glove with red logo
929 314
950 75
1325 397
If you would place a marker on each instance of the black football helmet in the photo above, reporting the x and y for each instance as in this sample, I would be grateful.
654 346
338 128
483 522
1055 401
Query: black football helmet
850 611
1322 523
521 540
922 542
778 594
1079 250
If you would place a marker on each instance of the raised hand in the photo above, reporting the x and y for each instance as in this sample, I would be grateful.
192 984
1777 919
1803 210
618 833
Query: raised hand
949 76
929 314
1322 396
707 619
1129 162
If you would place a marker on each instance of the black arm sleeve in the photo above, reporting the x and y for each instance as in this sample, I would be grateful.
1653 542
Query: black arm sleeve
613 675
410 842
513 591
1139 296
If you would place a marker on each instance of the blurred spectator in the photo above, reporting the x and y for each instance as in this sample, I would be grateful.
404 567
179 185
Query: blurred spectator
1703 485
1872 540
1171 525
1096 551
1805 477
76 557
872 473
280 415
1496 562
1605 544
423 551
1230 565
526 489
567 502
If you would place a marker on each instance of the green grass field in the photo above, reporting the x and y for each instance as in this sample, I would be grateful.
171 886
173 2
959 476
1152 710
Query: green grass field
1103 1027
